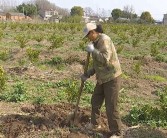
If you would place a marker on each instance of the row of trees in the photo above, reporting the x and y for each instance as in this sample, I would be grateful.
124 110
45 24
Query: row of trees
129 13
34 7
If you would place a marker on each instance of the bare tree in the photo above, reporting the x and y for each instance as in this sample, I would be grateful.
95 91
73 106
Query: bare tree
88 11
128 11
103 13
46 5
7 5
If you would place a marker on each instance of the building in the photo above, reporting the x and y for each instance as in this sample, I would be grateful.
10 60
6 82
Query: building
15 16
165 19
2 16
46 15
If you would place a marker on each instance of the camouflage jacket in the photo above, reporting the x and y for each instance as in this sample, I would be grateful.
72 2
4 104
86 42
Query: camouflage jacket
106 65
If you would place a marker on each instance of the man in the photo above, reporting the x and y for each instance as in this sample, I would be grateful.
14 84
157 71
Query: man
107 68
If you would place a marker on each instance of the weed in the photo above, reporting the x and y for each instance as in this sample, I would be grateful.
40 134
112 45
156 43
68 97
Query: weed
155 78
153 116
19 93
38 100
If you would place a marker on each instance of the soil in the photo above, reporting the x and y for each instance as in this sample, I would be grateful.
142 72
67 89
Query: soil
34 121
22 120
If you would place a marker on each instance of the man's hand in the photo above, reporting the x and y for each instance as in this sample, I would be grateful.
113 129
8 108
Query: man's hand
90 48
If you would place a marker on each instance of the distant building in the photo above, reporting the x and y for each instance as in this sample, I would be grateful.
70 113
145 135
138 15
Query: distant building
123 20
158 22
165 19
2 16
15 16
46 15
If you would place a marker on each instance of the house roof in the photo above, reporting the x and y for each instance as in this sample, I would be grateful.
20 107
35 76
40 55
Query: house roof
2 13
16 14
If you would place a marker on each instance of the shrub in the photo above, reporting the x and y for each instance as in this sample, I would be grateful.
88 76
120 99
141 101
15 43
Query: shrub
160 58
22 39
32 54
147 114
56 41
4 55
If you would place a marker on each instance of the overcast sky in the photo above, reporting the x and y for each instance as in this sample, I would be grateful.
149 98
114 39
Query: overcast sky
156 7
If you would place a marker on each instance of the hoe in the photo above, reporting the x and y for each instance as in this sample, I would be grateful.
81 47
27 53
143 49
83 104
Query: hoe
72 118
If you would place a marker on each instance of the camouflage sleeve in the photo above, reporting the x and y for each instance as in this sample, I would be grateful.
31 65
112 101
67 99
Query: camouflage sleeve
103 54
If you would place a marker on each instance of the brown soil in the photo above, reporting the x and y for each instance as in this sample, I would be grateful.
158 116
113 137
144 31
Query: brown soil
51 121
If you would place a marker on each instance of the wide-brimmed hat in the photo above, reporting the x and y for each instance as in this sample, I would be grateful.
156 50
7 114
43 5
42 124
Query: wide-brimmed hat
89 27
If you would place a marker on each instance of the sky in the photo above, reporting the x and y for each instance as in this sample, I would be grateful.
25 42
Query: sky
157 8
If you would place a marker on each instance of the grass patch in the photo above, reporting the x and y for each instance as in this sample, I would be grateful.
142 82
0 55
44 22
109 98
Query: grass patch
155 78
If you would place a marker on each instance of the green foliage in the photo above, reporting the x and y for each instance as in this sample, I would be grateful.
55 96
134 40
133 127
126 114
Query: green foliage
32 54
147 114
82 44
27 9
155 78
77 10
56 41
1 34
120 48
137 67
4 55
72 19
38 38
72 90
89 87
154 49
18 94
146 16
116 13
135 42
56 60
2 78
38 100
161 58
22 39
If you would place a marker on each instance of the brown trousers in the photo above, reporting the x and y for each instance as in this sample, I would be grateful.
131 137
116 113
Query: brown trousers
109 92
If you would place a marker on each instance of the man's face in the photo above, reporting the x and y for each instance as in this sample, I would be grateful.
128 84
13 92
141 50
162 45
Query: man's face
92 35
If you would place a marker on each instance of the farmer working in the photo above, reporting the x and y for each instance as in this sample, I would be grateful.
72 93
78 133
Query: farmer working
107 68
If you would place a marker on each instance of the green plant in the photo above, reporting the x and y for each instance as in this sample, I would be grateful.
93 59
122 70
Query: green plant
4 55
137 67
2 78
38 38
135 42
154 49
120 48
33 54
22 39
155 116
56 41
89 87
155 78
38 100
161 58
19 93
56 60
72 90
1 34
